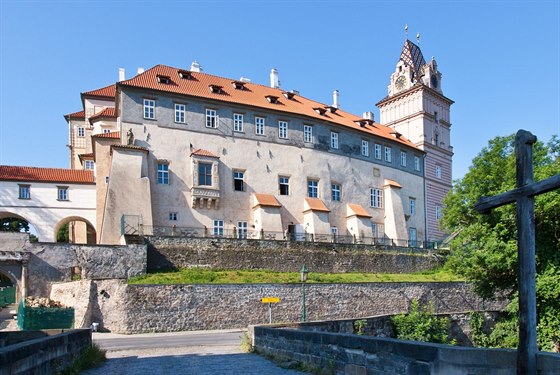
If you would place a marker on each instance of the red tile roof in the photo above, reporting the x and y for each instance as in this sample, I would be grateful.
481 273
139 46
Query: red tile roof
392 183
86 156
315 204
199 85
267 200
106 113
356 210
81 115
34 174
113 135
201 152
107 92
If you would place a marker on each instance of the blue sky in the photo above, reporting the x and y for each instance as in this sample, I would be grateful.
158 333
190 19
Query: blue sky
500 59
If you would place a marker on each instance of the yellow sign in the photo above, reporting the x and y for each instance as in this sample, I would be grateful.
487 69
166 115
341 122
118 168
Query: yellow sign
270 299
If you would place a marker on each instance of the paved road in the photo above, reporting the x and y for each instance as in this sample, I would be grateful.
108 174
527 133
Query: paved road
196 353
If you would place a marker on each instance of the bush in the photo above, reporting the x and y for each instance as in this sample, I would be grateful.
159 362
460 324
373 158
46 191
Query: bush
90 358
421 325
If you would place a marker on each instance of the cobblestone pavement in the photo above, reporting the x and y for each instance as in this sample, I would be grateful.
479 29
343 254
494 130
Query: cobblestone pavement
196 360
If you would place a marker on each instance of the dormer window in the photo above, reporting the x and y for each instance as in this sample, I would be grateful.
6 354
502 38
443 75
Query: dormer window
185 74
320 110
289 95
331 109
363 122
238 85
272 99
215 89
163 79
396 134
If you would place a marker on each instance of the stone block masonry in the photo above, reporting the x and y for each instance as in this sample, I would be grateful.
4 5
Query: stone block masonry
124 308
284 256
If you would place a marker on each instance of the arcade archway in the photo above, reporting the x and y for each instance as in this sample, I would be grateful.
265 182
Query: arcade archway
75 229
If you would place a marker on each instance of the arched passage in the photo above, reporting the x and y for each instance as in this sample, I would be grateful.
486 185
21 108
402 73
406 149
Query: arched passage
9 283
27 227
75 229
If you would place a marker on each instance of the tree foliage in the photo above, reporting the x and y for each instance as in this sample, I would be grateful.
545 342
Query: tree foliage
12 224
421 325
485 247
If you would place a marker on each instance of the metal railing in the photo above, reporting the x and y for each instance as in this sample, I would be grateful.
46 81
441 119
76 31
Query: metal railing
241 234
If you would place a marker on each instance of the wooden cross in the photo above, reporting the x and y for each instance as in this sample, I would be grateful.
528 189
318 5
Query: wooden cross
524 196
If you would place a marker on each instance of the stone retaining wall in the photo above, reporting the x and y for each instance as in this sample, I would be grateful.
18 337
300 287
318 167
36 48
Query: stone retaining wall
284 256
126 308
352 354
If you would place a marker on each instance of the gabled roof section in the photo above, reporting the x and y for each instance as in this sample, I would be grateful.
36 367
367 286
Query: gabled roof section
253 95
80 115
392 183
412 56
266 200
112 135
201 152
35 174
86 156
107 113
107 92
356 210
315 204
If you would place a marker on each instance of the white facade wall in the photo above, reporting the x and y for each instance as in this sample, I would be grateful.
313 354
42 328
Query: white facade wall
43 210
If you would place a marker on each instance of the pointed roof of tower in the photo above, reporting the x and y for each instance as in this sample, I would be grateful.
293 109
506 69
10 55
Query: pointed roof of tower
412 56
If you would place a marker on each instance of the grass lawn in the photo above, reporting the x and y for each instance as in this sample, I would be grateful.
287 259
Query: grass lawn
206 276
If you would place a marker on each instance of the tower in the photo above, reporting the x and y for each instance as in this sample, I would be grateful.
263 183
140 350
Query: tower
417 109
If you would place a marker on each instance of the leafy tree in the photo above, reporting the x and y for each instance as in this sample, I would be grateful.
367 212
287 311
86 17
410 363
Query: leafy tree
421 325
485 247
12 224
62 235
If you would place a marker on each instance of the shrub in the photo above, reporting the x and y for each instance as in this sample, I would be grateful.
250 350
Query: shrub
421 325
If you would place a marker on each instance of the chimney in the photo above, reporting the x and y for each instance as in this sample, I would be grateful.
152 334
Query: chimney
335 96
245 79
121 74
274 78
195 67
369 116
140 70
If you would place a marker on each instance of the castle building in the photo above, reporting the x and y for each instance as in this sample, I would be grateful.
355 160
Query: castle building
183 151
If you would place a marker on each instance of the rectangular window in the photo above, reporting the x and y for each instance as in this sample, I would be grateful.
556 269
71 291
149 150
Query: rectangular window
282 129
284 185
374 230
411 206
438 212
378 152
241 229
388 154
375 198
218 228
403 159
365 148
259 125
238 183
24 191
180 110
335 192
62 193
204 174
89 164
312 188
211 118
149 109
163 174
237 122
416 163
334 233
438 171
308 133
81 132
412 236
173 216
334 140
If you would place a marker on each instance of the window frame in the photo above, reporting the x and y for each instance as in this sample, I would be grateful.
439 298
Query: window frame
181 112
312 188
162 176
236 179
377 151
438 171
149 109
173 216
211 118
62 193
81 131
307 133
205 172
416 163
439 212
375 198
24 191
334 140
282 129
336 192
285 184
238 120
365 148
403 158
218 227
388 154
260 124
411 206
242 230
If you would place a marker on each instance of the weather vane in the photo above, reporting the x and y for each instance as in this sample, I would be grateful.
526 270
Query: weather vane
418 38
406 30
